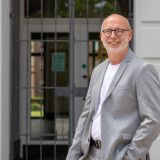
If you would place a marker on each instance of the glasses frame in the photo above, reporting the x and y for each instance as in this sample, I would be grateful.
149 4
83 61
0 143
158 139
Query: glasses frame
111 30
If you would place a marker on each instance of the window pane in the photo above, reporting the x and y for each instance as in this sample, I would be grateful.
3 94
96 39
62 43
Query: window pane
123 7
37 106
36 71
96 8
35 47
62 118
32 8
50 68
56 64
35 10
54 112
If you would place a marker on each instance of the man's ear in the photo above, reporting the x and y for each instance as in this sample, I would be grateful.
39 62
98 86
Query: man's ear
130 34
101 35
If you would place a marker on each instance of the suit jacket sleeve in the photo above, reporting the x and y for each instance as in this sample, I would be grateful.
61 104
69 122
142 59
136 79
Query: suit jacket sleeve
148 97
74 152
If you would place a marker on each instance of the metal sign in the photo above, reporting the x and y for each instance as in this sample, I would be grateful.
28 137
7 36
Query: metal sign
58 62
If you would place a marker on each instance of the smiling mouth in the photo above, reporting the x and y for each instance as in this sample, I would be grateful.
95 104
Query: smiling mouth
114 42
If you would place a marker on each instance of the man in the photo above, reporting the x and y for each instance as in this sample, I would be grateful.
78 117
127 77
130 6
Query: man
121 116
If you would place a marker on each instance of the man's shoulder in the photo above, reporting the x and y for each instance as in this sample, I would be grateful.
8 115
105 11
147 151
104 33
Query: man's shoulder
139 61
102 65
140 65
133 57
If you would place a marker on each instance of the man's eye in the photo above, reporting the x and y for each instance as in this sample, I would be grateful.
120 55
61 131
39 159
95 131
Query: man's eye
107 31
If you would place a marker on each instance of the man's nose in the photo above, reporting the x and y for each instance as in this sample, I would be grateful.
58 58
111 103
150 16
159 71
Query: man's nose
113 35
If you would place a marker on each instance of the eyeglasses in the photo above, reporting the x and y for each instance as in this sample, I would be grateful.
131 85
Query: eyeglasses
118 32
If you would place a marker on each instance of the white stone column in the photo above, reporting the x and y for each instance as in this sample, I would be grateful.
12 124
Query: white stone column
147 42
4 78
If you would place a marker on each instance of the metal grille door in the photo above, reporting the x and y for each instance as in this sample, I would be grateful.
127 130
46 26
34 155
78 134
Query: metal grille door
59 47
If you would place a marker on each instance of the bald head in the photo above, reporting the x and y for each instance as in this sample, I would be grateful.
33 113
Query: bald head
116 17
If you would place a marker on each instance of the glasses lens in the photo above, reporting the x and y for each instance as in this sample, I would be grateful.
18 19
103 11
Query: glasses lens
107 32
119 32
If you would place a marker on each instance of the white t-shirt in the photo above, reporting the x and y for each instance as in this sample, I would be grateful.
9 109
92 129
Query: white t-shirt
109 75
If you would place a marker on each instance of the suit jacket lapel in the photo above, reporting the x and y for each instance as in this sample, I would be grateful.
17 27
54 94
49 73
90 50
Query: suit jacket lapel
99 85
120 72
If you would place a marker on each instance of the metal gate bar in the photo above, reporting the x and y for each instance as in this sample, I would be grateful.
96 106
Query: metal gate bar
115 6
71 70
27 90
41 50
55 102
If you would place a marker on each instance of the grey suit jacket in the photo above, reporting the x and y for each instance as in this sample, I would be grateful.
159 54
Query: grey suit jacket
130 115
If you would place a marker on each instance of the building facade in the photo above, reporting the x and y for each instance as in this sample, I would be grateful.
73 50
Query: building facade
48 50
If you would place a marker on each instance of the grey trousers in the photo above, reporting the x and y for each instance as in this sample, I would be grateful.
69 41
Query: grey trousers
94 154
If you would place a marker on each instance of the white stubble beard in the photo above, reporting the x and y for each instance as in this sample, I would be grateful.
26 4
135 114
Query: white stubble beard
120 49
